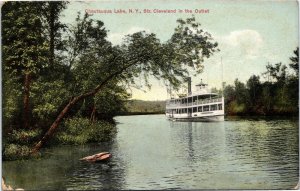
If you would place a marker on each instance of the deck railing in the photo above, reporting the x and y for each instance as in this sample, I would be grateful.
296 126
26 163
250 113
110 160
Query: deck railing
197 102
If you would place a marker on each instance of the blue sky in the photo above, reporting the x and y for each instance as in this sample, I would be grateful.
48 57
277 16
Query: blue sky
250 33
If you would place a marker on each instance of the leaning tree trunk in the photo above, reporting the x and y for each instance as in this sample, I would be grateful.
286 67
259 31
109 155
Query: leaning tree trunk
27 81
67 108
55 124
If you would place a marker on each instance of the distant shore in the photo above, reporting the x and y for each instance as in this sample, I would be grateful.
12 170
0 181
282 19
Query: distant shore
140 113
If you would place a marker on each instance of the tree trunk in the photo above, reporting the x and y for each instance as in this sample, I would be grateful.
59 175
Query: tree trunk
27 81
55 125
60 117
75 100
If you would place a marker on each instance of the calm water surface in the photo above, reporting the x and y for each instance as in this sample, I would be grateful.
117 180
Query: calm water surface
150 152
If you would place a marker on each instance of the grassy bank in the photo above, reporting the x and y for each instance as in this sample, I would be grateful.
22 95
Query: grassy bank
74 131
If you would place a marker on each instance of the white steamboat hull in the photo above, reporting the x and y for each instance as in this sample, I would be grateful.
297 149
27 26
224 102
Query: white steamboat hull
200 119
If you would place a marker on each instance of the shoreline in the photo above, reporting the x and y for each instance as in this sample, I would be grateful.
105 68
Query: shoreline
290 115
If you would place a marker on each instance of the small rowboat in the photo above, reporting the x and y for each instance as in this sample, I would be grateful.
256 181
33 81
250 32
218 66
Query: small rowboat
100 157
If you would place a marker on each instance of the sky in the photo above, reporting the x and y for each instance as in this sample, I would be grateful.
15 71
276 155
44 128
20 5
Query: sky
250 33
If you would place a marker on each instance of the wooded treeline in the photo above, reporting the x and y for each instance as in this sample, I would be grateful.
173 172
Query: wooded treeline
134 107
274 92
68 79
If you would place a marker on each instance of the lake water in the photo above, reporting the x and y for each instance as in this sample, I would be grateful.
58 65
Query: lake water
150 152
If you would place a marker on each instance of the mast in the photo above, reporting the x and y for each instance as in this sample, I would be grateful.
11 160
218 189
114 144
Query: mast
222 79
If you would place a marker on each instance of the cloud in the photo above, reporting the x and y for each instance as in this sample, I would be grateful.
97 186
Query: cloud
247 43
117 38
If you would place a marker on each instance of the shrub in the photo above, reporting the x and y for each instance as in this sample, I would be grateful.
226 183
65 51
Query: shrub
15 151
25 137
82 130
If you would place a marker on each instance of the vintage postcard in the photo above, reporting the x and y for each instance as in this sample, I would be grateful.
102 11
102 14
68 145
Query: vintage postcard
150 95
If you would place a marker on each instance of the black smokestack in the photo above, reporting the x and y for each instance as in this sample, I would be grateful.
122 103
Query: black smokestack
189 80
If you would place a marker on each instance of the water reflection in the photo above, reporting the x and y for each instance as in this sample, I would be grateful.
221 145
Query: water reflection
190 142
199 140
266 149
200 151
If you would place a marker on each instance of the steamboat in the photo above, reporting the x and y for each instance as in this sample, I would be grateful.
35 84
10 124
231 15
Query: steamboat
200 105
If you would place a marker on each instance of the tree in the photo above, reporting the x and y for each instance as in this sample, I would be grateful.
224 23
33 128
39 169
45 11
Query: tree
293 82
295 62
277 72
268 97
241 94
24 46
51 13
254 88
144 54
229 95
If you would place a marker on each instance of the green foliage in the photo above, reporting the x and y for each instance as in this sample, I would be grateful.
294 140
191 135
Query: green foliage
15 151
82 131
190 39
24 137
276 72
48 98
17 143
111 101
23 44
255 89
235 108
51 13
169 61
295 62
12 100
86 38
241 94
229 93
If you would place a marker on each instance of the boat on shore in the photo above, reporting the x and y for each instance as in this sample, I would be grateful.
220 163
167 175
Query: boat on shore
201 105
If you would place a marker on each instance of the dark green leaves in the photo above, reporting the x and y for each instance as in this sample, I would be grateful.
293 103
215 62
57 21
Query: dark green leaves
24 46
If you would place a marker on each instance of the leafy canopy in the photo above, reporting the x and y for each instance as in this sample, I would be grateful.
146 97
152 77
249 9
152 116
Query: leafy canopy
24 45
